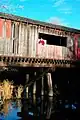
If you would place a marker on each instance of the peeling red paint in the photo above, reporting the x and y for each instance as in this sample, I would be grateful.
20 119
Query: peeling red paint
78 53
8 29
1 27
76 45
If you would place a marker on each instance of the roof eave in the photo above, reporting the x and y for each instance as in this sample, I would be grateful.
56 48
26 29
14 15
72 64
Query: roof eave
36 22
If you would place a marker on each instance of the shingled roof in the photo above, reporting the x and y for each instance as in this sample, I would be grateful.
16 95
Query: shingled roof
36 22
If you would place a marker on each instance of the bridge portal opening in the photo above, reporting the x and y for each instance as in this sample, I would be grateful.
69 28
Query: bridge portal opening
54 40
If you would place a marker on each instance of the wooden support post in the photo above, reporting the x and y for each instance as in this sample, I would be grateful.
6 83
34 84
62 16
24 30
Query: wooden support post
50 84
0 95
34 85
34 99
27 79
25 90
42 83
42 105
49 108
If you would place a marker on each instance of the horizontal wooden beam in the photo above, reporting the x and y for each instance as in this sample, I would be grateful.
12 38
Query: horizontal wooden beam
33 62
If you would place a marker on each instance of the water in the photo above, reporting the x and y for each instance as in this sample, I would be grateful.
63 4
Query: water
40 108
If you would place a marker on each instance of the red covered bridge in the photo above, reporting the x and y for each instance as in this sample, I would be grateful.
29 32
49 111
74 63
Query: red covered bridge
26 42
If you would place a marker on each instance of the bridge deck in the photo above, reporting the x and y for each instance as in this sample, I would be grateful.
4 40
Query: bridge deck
32 62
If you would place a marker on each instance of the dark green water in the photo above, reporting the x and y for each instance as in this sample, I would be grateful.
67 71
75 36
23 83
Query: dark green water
40 108
65 107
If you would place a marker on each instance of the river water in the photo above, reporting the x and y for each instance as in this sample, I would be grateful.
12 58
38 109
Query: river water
40 108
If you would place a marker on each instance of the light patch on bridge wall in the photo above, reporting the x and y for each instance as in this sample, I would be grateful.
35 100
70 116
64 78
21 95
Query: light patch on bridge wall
58 52
49 51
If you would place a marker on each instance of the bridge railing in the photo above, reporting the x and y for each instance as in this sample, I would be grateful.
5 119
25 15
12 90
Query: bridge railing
42 51
53 52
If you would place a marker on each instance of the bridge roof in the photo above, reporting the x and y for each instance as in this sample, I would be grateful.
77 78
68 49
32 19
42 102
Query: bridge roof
36 22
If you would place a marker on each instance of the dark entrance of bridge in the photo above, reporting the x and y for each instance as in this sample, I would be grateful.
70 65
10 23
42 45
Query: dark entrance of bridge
54 40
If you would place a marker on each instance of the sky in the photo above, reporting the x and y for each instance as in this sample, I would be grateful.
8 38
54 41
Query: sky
62 12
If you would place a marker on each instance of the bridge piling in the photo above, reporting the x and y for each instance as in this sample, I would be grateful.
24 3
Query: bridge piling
49 107
49 79
27 79
42 85
34 85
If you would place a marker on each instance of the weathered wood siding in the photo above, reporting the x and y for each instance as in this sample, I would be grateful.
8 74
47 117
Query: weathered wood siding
33 40
1 36
5 36
17 38
21 39
53 52
1 28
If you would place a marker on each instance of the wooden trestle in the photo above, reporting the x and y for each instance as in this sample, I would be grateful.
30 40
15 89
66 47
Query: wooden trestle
32 62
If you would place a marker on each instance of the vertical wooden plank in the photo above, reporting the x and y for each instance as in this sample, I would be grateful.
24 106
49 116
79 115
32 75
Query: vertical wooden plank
5 41
30 41
2 36
36 40
7 32
25 39
1 47
11 41
16 37
8 29
24 43
33 38
22 40
12 38
19 52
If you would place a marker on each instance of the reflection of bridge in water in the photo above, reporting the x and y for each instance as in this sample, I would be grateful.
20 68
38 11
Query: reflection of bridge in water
37 108
47 108
40 108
